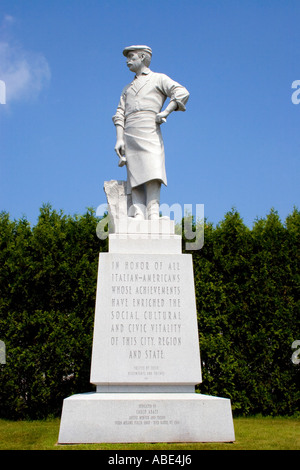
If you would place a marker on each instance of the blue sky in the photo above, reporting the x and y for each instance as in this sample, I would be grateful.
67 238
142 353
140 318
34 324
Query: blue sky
237 144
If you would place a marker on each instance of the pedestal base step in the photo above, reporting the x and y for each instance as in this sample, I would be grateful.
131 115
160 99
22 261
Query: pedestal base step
145 417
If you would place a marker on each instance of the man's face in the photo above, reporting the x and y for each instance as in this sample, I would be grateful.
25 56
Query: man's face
134 61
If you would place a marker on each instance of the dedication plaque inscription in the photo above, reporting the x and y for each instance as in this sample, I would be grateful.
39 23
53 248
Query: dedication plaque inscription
146 325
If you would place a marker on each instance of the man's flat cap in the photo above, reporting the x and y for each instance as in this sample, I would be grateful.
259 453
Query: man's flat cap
137 48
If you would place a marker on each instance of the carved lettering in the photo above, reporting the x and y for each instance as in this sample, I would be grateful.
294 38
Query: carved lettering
145 310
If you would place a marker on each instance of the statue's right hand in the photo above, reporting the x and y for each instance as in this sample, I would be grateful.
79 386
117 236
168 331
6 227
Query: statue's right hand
120 148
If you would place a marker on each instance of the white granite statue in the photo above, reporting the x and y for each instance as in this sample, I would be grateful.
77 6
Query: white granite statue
138 117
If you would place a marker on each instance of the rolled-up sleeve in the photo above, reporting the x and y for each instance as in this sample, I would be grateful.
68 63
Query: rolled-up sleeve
174 91
119 117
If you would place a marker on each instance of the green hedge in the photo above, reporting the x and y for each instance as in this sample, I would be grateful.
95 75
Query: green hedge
247 289
247 292
48 285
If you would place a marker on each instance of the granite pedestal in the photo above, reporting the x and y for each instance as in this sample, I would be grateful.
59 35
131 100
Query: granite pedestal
145 357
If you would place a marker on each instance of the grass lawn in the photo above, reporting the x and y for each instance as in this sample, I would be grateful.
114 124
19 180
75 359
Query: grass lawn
255 433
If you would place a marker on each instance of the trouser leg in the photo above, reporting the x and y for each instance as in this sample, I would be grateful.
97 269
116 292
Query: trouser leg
152 190
145 200
138 201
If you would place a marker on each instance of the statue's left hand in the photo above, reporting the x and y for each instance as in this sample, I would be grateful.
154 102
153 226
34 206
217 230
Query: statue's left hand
161 117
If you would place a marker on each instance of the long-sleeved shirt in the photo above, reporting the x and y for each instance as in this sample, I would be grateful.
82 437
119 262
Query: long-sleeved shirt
148 92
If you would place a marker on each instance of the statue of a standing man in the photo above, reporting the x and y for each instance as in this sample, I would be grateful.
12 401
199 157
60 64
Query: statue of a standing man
139 141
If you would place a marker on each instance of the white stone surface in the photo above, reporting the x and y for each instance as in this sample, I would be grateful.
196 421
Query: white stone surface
145 388
118 201
145 329
130 225
144 244
118 417
145 358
